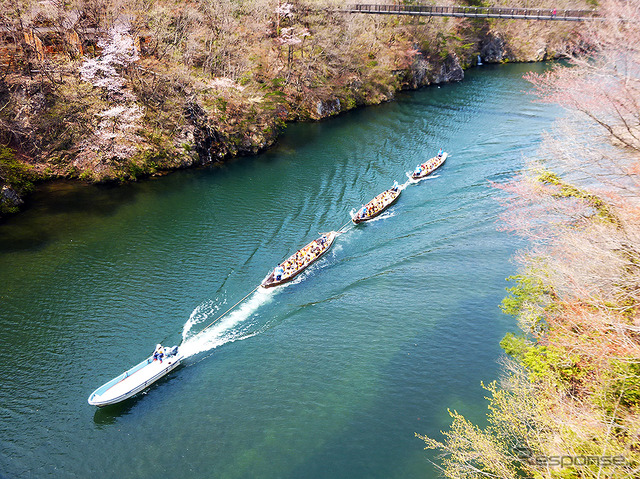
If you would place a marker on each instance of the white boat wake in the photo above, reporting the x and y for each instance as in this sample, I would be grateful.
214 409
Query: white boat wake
405 184
228 329
413 181
383 216
206 310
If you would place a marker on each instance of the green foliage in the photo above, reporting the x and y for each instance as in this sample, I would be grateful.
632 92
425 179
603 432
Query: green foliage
273 99
245 79
526 290
86 175
515 346
48 173
148 162
349 102
15 173
566 190
543 363
626 386
549 363
6 209
278 83
221 104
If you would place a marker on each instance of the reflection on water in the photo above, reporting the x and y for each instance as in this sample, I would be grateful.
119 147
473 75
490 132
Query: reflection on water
61 206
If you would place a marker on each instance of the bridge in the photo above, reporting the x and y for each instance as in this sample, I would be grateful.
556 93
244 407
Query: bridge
476 12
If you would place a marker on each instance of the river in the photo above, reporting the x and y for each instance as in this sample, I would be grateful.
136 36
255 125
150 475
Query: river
328 377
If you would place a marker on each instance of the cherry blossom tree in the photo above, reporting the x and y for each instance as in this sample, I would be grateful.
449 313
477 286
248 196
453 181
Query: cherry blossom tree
115 137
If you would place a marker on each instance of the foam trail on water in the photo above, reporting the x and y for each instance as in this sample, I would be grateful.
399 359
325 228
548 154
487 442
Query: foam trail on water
199 315
226 330
413 181
405 184
383 216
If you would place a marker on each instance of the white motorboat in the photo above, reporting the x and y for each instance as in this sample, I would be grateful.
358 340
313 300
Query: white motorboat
137 378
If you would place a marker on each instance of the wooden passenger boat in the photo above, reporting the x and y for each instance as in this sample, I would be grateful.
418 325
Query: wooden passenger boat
429 166
377 205
299 261
136 379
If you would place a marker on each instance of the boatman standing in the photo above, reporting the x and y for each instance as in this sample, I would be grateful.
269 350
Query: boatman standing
158 354
279 271
395 186
440 152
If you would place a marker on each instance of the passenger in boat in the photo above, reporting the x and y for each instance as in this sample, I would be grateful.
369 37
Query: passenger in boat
158 354
278 272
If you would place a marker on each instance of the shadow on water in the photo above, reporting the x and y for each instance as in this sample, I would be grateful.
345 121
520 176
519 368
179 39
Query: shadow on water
107 415
57 205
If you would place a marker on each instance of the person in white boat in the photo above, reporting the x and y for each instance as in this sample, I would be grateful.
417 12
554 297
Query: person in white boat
158 354
278 272
440 152
395 186
418 170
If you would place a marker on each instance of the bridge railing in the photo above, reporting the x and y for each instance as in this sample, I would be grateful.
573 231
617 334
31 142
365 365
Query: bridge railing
464 11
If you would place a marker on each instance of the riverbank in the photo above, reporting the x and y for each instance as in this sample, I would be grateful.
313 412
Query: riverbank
166 89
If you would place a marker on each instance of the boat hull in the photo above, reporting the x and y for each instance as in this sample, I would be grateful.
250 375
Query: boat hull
270 281
436 165
134 380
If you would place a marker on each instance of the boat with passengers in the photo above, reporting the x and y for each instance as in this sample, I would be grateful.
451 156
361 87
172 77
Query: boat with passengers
377 205
429 166
300 260
144 374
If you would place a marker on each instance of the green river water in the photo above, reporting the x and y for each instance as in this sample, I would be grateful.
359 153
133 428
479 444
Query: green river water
328 377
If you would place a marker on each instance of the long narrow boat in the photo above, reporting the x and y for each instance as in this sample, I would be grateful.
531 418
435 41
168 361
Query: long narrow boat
299 261
429 166
377 205
136 379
